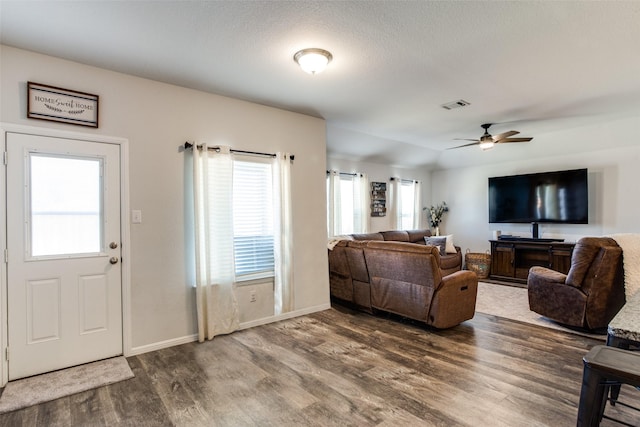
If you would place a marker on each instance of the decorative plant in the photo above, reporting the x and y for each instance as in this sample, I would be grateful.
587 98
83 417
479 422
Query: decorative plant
435 213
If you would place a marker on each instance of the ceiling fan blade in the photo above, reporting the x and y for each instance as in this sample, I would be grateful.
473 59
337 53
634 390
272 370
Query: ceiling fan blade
466 139
505 135
465 145
514 140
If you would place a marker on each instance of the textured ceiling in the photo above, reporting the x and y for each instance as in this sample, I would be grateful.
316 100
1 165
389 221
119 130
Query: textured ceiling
533 66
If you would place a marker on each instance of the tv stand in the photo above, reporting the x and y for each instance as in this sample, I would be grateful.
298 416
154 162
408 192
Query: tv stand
528 239
512 257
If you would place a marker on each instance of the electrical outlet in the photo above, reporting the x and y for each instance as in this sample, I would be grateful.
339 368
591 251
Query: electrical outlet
252 296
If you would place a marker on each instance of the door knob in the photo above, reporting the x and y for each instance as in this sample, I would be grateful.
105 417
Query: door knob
113 260
113 245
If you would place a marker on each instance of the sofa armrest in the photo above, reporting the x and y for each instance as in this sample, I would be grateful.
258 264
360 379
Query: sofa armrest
551 296
450 263
458 278
545 275
455 300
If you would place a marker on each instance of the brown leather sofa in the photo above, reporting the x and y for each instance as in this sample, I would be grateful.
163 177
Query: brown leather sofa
449 262
402 278
592 292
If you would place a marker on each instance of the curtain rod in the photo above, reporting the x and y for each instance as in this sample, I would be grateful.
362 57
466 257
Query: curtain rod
347 173
403 180
188 145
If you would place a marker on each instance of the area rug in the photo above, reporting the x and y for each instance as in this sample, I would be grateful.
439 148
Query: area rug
512 302
54 385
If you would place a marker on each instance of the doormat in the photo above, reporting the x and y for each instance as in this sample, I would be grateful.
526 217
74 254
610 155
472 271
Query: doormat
54 385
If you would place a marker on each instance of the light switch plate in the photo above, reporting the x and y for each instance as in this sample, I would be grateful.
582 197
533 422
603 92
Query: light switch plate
136 217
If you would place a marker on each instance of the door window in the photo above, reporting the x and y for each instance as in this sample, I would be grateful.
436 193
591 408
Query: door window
65 205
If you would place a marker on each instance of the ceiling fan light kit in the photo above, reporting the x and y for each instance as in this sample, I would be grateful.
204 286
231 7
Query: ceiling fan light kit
313 60
486 145
487 141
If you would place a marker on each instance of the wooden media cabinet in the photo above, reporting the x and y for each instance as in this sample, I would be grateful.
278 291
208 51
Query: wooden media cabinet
512 259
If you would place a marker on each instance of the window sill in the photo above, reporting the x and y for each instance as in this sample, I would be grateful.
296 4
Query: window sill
255 279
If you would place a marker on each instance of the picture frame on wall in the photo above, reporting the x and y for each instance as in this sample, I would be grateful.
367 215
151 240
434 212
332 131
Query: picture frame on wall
56 104
378 199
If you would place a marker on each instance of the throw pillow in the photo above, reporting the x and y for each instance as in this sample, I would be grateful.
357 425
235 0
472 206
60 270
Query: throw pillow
450 249
439 242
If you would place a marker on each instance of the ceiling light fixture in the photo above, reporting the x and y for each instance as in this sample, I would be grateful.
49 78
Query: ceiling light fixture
486 143
486 140
313 60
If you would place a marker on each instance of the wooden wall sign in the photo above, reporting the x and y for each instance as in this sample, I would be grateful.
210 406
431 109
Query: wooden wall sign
61 105
378 198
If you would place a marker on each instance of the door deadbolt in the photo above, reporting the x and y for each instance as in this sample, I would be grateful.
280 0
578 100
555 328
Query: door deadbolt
113 245
113 260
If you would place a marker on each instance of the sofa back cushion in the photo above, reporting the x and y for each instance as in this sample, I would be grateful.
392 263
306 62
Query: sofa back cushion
340 281
338 260
395 235
604 286
367 236
417 236
355 258
403 276
583 256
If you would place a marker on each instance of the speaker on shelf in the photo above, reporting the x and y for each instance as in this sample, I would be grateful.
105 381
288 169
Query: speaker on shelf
496 234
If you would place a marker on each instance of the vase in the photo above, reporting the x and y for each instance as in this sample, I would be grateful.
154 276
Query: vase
437 231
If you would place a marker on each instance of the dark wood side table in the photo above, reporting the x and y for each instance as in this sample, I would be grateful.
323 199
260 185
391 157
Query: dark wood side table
604 367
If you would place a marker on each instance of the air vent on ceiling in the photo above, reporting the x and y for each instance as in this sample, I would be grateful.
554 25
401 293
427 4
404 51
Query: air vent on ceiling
455 104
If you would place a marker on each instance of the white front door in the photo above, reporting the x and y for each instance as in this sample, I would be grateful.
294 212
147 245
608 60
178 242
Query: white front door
63 238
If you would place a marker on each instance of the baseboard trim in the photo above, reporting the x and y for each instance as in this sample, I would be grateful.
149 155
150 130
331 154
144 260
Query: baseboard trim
246 325
285 316
162 344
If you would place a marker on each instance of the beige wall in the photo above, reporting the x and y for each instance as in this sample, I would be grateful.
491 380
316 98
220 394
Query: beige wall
609 149
157 118
614 199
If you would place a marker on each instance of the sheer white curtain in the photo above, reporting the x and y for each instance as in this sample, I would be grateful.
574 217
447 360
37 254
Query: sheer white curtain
216 302
405 203
417 204
283 234
347 203
395 208
334 216
361 202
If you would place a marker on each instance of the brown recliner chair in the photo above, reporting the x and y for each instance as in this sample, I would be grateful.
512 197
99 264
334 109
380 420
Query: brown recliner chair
590 295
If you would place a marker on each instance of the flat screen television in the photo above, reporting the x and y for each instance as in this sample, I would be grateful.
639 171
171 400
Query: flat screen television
550 197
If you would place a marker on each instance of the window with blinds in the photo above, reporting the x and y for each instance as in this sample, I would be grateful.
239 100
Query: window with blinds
253 219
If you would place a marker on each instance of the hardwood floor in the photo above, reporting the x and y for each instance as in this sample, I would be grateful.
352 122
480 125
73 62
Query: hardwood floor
339 367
